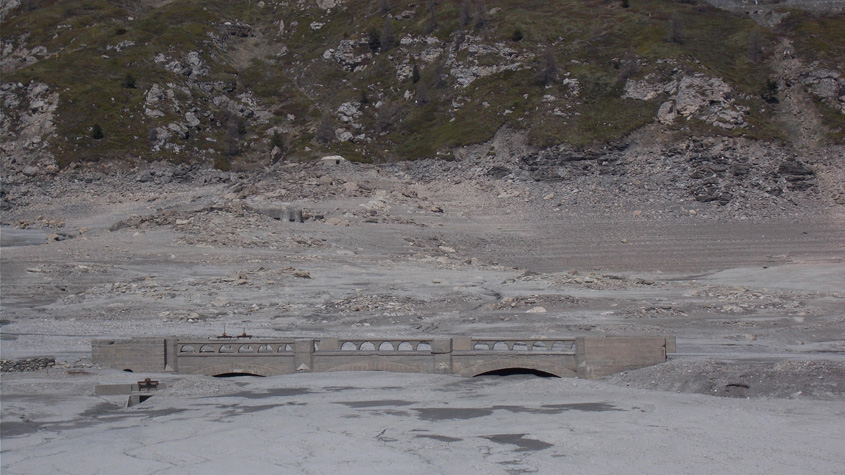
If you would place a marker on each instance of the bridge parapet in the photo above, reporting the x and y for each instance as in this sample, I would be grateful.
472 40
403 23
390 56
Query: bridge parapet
233 347
561 346
587 357
369 345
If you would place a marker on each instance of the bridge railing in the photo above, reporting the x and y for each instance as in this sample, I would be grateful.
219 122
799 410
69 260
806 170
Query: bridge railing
592 357
562 346
378 345
234 347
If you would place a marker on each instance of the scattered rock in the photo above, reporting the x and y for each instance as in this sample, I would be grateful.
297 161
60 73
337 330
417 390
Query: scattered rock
26 364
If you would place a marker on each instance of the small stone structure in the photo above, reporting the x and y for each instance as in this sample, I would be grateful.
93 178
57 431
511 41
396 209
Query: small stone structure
281 213
583 357
137 392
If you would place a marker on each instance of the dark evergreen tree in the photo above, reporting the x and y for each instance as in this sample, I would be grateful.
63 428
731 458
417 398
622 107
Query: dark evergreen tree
388 38
374 40
97 132
129 81
548 71
325 130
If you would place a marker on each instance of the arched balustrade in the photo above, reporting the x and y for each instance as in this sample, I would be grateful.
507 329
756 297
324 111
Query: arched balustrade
243 348
384 345
538 345
565 346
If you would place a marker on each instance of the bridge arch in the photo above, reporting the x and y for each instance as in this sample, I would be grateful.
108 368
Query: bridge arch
504 364
232 375
231 368
518 371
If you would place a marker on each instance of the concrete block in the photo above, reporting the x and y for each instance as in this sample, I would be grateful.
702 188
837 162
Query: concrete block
441 345
328 344
670 345
461 344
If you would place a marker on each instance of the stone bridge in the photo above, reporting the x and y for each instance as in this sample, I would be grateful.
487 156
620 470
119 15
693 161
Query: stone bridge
585 357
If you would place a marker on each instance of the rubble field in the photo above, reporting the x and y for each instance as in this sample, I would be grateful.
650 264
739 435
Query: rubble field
751 288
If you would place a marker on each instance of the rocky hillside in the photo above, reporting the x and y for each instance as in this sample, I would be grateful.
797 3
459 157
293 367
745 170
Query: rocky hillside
249 83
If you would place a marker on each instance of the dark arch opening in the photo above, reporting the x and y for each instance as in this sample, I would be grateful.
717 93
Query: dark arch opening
127 370
518 372
236 375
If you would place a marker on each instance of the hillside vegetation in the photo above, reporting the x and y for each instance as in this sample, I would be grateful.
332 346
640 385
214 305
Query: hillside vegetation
232 81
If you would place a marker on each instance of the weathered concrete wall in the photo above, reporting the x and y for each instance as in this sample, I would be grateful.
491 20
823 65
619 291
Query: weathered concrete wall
259 365
601 356
474 364
586 357
324 362
136 354
259 357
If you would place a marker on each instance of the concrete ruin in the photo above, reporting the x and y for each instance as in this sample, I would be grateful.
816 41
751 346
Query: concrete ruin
582 357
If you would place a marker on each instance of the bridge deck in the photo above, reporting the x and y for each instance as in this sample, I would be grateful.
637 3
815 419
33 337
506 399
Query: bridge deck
587 357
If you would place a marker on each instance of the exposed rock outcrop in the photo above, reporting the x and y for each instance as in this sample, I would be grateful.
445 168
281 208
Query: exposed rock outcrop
705 98
827 85
27 126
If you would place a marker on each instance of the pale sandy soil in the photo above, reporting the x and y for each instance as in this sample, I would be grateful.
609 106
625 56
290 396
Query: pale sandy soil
757 306
417 424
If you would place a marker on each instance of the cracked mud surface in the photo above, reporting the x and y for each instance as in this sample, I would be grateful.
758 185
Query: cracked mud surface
757 306
419 424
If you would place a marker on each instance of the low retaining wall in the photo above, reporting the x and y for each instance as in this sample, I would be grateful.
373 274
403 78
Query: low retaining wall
584 357
135 354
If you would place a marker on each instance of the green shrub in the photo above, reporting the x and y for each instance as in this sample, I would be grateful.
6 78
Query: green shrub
431 23
222 164
278 140
770 91
675 33
548 70
325 130
129 81
374 40
97 132
388 37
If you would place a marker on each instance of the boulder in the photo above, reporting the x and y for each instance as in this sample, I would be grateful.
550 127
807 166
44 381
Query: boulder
643 90
333 159
666 114
697 92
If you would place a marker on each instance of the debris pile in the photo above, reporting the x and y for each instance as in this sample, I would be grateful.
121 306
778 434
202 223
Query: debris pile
26 364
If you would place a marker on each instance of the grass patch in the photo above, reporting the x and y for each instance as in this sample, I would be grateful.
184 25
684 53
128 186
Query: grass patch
589 39
834 122
603 120
816 37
